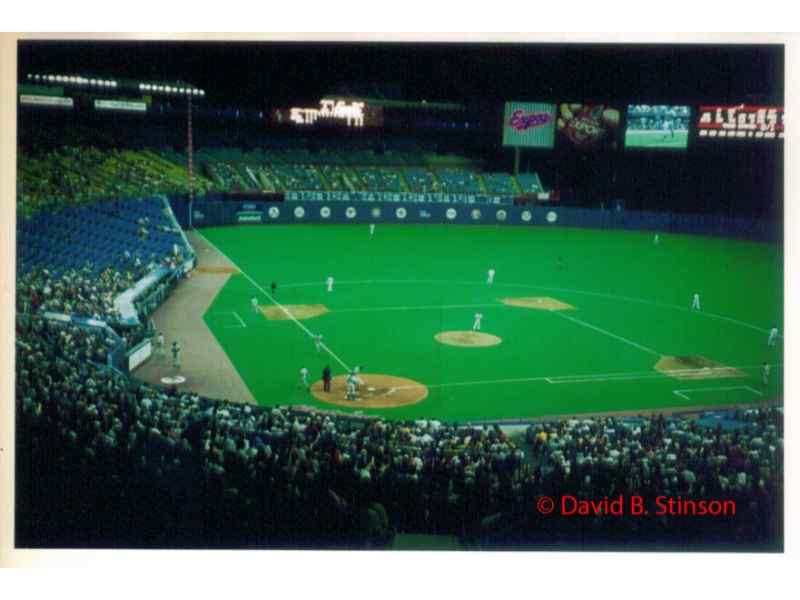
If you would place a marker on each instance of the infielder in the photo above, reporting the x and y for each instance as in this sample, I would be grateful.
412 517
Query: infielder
329 281
490 277
656 241
765 374
254 304
318 341
696 302
773 336
476 325
371 230
304 377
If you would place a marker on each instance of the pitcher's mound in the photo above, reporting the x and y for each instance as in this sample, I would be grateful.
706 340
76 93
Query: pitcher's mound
695 367
472 339
298 311
537 303
218 270
376 391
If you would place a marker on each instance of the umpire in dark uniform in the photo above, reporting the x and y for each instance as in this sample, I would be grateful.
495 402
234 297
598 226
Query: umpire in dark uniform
326 379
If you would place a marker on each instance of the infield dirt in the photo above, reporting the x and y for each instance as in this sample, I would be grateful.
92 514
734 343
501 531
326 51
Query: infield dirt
376 391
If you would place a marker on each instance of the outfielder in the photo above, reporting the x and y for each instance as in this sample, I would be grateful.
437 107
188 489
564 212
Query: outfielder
329 281
696 302
318 341
765 374
371 230
304 377
254 304
656 241
490 277
773 336
476 325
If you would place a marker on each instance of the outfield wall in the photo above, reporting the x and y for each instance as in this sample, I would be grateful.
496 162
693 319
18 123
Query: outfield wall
215 212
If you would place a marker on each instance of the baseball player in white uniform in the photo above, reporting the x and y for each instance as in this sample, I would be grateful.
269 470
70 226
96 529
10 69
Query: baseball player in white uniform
490 277
371 230
160 344
352 386
656 240
773 336
318 341
329 282
696 302
476 325
304 377
765 374
254 304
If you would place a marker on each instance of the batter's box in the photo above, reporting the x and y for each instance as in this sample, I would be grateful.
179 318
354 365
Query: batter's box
537 303
688 368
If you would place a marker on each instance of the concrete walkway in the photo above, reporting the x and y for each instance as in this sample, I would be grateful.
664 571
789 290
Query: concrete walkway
208 370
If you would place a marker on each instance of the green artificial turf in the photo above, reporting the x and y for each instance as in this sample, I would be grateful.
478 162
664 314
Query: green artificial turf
632 302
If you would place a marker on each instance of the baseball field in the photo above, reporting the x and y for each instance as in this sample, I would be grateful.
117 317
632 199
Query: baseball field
576 322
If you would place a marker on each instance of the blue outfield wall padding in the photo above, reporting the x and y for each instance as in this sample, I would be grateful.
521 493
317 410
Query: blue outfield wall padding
212 211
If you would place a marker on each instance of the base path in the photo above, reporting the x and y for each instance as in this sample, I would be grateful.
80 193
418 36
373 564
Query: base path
467 339
377 391
208 370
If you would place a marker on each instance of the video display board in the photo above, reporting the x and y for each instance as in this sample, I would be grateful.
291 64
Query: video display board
657 126
741 121
331 111
588 126
529 124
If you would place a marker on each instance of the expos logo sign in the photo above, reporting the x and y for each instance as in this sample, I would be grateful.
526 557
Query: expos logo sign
451 214
376 213
527 216
476 214
299 212
273 212
400 213
520 120
325 212
350 212
501 215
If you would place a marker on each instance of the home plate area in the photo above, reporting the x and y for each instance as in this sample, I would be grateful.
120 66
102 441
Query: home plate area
376 391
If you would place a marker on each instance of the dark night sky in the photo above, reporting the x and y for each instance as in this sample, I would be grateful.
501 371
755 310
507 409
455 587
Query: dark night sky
259 74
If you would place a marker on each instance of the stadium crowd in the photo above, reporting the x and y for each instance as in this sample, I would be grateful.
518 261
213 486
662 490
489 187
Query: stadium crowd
285 474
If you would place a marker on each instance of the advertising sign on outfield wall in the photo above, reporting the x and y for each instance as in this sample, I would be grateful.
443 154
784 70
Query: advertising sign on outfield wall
416 197
530 124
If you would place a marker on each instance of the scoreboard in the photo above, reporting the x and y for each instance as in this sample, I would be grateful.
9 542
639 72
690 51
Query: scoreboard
740 121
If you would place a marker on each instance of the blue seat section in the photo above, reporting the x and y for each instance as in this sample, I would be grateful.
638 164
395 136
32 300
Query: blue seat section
100 234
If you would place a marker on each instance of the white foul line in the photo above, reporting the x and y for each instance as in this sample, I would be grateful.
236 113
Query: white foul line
276 303
235 314
608 333
588 378
682 393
